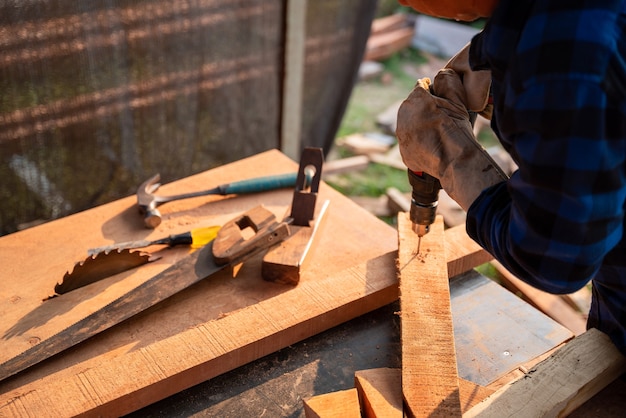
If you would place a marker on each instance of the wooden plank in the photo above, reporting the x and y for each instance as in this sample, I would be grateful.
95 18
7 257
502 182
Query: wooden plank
552 305
340 404
429 371
284 263
398 202
215 326
361 144
380 393
463 252
559 384
345 165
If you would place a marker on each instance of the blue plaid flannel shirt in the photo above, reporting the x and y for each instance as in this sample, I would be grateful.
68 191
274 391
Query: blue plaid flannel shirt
559 89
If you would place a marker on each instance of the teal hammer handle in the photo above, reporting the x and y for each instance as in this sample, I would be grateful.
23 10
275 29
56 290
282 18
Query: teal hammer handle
260 184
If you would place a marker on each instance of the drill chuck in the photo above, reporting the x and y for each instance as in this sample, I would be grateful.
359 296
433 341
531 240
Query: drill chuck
424 200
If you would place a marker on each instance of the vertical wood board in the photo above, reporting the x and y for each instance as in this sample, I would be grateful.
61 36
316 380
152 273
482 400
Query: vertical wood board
429 371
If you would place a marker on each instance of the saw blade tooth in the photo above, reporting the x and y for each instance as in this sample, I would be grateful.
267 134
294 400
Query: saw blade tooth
100 266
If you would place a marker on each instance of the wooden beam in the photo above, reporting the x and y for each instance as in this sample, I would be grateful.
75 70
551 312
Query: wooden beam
559 384
429 371
340 404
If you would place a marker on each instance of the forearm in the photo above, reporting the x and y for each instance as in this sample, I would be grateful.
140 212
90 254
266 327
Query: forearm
554 238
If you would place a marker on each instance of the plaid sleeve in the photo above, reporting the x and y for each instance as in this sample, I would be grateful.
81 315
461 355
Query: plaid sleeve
560 111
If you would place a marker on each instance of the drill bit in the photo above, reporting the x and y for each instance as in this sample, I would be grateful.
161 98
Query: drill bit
424 199
420 230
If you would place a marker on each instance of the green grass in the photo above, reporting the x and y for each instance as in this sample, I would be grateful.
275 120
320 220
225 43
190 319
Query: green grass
370 98
372 182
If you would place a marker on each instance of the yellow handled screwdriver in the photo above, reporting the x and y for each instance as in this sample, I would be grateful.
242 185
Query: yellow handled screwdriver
196 238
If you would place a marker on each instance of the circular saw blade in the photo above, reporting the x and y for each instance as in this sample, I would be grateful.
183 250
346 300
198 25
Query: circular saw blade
101 266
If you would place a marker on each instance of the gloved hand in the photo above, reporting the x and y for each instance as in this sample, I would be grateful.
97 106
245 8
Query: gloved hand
435 136
475 83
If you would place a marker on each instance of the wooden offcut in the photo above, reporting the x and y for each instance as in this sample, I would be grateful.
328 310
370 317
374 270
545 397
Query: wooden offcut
284 262
340 404
430 384
380 392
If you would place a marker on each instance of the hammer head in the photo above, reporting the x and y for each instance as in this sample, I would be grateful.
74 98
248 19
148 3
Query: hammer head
148 202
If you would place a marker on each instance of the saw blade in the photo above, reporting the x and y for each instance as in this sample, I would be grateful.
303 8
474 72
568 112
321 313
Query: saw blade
194 267
100 266
182 274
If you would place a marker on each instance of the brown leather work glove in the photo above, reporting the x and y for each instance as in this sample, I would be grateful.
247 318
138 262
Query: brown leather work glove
475 83
435 136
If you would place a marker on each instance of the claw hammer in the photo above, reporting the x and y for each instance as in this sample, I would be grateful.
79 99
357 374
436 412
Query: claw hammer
148 201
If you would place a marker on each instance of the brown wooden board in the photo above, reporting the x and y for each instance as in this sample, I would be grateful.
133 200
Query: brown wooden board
208 329
340 404
380 393
430 386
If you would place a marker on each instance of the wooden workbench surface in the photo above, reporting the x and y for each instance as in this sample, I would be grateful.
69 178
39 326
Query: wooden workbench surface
215 326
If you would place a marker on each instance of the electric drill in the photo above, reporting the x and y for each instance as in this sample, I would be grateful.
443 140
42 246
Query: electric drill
425 198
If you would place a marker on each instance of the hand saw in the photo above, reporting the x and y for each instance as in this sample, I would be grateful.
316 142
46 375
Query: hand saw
229 248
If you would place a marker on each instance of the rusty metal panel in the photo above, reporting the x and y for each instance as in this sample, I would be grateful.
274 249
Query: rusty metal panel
495 331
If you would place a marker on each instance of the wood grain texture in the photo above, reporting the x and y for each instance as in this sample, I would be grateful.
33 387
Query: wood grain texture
340 404
462 251
472 394
429 371
380 393
210 328
558 385
284 262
